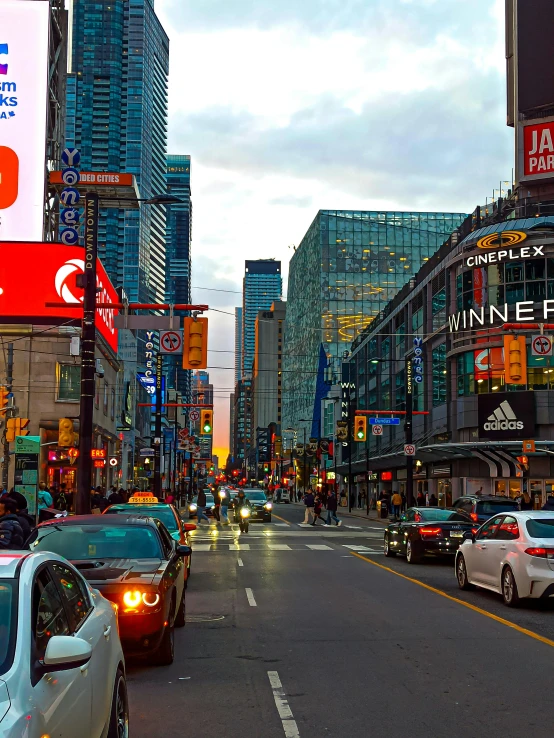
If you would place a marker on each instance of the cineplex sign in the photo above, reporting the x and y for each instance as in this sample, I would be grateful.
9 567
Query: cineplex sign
520 312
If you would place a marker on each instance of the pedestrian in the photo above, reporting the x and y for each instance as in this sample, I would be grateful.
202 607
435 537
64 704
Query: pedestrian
396 504
318 506
63 499
549 504
404 501
44 501
170 498
11 532
433 502
343 498
26 521
309 507
224 503
526 501
420 499
201 506
332 503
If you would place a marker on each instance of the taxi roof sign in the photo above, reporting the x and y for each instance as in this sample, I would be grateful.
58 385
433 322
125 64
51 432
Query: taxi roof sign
141 497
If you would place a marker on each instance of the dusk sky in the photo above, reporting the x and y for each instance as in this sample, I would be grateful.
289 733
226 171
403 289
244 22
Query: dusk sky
294 106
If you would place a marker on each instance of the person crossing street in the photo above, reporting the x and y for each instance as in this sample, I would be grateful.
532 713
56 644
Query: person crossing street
309 505
332 504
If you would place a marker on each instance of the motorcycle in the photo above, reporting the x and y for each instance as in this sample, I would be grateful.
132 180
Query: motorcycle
243 522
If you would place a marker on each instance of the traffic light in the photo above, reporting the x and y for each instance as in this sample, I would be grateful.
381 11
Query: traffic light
66 434
16 427
515 360
206 422
342 430
4 399
195 343
360 428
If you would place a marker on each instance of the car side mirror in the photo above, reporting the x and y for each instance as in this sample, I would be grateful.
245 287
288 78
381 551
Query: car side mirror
66 652
469 535
189 526
183 550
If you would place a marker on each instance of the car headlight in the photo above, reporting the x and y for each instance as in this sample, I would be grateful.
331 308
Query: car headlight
193 507
245 512
268 505
135 599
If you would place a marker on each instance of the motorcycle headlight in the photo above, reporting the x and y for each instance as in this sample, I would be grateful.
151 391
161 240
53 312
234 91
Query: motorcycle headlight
268 505
193 507
244 512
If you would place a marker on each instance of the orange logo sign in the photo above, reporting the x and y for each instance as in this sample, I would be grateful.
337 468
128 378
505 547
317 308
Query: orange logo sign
9 177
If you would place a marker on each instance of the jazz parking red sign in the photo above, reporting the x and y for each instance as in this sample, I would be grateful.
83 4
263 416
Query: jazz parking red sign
538 149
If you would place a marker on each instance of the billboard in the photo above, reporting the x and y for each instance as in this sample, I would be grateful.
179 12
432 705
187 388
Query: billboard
23 102
535 54
537 150
506 416
32 274
106 179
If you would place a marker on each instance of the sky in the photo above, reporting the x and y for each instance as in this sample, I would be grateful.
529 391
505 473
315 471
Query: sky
294 106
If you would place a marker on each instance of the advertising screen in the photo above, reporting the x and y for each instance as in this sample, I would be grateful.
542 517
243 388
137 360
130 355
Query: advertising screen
23 100
32 274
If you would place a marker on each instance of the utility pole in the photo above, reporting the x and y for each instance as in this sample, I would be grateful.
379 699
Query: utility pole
408 431
8 414
158 428
88 364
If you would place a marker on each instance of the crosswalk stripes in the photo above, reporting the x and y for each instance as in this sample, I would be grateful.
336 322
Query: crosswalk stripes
279 547
353 527
265 546
317 547
358 549
236 547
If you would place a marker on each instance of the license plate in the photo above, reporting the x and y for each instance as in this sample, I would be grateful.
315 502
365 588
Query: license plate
456 533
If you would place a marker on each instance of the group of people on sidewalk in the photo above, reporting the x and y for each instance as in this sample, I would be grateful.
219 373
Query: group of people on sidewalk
313 503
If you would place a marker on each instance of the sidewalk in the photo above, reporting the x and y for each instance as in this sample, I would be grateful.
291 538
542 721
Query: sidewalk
342 512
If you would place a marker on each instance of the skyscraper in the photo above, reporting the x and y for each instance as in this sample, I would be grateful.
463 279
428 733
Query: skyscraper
117 118
238 343
262 286
178 257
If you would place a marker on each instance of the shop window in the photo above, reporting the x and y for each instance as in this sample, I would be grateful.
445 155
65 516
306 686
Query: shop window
514 272
535 291
514 293
535 269
439 374
495 274
417 320
496 295
68 382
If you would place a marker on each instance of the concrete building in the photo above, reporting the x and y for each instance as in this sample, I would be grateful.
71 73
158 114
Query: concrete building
267 369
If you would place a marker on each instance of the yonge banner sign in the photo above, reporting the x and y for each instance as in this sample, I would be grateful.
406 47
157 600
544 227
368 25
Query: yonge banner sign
520 312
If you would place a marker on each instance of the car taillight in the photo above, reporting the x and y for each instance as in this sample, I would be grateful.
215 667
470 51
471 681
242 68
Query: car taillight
474 517
543 553
431 532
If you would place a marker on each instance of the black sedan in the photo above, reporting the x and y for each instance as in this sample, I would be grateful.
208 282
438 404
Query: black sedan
426 530
133 561
260 505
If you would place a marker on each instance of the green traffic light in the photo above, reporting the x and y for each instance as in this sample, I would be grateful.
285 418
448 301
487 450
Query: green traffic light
360 434
207 428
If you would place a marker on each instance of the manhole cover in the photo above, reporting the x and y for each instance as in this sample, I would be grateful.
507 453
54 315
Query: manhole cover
204 618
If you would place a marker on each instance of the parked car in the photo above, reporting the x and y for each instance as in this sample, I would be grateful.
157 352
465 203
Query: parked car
426 530
62 671
136 564
512 554
482 507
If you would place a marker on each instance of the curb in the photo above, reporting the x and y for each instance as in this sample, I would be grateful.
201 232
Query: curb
359 515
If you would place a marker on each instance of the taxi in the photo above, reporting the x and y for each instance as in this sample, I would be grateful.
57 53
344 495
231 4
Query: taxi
145 503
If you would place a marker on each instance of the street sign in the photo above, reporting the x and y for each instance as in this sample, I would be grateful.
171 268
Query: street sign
113 461
541 345
27 444
377 430
145 322
194 415
409 449
384 421
171 342
529 447
146 452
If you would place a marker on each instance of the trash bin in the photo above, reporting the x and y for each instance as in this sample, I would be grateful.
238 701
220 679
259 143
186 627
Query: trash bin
382 509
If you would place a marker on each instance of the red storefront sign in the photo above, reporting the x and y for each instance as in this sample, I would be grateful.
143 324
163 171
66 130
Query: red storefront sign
32 274
538 149
98 453
106 179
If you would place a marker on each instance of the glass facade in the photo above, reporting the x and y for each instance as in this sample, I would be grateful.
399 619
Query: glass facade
262 286
117 118
348 267
178 258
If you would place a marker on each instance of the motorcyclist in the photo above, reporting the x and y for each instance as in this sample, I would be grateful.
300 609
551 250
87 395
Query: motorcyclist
241 500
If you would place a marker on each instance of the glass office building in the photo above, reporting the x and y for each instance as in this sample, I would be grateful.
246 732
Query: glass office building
178 258
117 118
262 286
349 265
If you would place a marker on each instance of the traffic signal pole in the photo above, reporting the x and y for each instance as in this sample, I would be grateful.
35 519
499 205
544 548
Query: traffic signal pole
88 364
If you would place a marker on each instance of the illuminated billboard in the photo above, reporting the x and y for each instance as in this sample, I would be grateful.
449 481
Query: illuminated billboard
24 27
32 274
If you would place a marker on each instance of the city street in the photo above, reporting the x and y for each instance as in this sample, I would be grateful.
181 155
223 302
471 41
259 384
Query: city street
292 631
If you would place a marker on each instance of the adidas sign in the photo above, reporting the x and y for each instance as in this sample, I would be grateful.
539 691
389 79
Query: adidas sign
503 418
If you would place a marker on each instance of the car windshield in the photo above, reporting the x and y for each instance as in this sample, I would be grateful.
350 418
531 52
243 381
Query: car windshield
164 514
543 528
255 495
82 542
491 507
438 513
8 623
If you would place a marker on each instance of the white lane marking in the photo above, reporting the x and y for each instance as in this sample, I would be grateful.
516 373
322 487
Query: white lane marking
250 597
353 527
239 562
202 547
239 547
282 525
319 548
358 548
279 547
285 713
304 525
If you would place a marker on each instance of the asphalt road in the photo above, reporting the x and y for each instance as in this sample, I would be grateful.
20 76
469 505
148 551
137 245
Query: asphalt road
290 633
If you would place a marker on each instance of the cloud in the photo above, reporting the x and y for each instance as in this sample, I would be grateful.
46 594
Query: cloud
292 201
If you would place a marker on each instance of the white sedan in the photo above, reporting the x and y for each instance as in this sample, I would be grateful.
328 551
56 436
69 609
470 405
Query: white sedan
62 671
512 554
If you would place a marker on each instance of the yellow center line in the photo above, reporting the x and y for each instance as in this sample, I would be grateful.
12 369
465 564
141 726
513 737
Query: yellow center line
498 619
280 518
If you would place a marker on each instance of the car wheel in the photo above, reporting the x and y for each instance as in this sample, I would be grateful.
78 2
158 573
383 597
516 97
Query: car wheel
461 574
387 548
119 717
166 650
413 555
180 618
509 588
